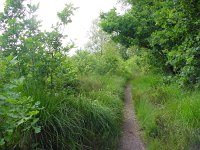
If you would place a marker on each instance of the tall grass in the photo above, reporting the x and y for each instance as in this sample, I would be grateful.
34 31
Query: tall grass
89 119
168 115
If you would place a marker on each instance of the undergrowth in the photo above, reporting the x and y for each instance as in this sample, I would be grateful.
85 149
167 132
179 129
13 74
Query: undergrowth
168 115
90 119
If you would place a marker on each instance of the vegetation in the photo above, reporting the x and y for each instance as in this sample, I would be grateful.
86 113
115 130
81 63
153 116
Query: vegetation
168 30
163 36
169 116
49 100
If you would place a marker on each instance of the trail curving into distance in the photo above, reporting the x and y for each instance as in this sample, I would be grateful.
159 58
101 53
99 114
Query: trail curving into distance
130 139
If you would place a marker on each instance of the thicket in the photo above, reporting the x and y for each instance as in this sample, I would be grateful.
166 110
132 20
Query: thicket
49 100
168 30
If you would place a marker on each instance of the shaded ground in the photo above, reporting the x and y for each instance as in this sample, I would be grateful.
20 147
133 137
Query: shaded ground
130 138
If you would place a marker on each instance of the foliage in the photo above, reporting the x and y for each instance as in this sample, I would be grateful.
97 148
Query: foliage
52 101
38 53
108 61
18 113
31 63
169 29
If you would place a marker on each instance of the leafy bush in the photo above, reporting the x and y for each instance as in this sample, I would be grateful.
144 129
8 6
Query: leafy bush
108 61
18 113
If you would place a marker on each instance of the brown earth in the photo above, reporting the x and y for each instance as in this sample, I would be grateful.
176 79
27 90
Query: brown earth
130 138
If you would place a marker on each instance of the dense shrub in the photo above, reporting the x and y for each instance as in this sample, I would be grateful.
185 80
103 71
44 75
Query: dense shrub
18 113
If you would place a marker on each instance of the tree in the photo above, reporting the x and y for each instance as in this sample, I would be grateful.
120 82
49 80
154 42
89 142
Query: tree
32 62
39 53
168 30
97 38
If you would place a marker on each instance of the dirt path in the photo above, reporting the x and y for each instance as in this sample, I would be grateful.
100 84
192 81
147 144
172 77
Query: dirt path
130 139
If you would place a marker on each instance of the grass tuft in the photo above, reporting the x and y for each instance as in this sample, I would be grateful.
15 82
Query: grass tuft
169 116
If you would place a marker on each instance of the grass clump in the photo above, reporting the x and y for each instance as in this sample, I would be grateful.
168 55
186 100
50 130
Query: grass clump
90 119
168 115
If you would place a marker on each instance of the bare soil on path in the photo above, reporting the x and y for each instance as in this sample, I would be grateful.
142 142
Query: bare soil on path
130 139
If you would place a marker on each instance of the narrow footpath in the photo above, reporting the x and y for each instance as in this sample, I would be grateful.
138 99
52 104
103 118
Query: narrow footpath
130 137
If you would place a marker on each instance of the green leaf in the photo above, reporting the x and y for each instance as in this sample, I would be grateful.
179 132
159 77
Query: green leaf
37 129
14 61
2 142
32 113
9 58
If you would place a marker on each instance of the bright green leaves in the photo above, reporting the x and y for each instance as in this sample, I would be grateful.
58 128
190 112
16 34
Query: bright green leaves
30 59
37 129
108 61
29 43
16 111
38 53
66 13
2 142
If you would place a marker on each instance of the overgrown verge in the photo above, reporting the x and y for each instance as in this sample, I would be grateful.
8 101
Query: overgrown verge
82 111
168 115
89 120
49 100
84 114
